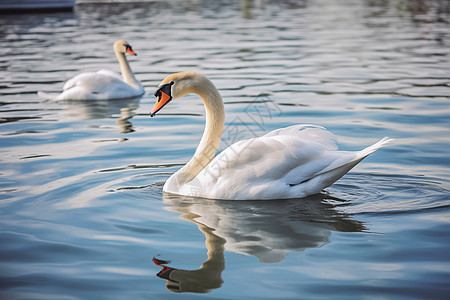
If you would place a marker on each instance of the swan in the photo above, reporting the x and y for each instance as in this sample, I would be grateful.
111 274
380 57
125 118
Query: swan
103 84
291 162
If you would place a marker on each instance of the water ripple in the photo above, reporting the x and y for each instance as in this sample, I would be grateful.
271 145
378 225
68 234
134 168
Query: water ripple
394 194
82 208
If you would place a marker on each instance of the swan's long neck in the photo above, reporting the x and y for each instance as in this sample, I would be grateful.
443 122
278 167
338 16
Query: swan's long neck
125 69
215 121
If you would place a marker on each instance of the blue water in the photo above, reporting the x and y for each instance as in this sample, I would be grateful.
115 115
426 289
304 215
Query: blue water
82 211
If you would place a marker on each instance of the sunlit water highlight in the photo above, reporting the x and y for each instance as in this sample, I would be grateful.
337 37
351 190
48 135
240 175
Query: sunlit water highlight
82 212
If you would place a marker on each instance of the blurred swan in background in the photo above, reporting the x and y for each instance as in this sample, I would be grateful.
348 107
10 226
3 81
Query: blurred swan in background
291 162
103 84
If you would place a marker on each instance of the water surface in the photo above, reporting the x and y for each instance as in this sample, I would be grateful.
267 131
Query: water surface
82 211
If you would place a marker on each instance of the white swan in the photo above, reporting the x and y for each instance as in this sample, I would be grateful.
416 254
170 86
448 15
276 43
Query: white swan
103 84
291 162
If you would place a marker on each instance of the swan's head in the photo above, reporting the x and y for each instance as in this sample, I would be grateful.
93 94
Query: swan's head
178 85
122 46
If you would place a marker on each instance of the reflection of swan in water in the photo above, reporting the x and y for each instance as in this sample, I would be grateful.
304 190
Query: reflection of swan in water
99 109
205 278
268 230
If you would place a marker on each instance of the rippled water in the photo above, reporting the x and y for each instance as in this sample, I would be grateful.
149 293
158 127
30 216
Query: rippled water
82 212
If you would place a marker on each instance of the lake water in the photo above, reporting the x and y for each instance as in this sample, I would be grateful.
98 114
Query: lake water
82 211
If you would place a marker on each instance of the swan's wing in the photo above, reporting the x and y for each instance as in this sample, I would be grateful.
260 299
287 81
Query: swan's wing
261 166
278 157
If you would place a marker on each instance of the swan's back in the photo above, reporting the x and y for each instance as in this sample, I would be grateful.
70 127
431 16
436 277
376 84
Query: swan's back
308 132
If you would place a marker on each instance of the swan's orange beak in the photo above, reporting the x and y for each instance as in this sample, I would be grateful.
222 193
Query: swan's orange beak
162 100
164 95
129 50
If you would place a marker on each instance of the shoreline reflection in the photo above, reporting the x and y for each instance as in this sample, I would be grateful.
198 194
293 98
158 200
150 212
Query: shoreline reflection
268 230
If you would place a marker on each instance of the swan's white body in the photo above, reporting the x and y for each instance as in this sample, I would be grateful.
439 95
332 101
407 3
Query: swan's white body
103 84
291 162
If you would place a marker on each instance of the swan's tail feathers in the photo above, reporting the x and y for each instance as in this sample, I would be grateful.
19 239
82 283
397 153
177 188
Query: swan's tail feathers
369 150
47 96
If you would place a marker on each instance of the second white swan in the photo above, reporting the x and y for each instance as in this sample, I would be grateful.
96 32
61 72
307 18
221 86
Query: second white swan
103 84
291 162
